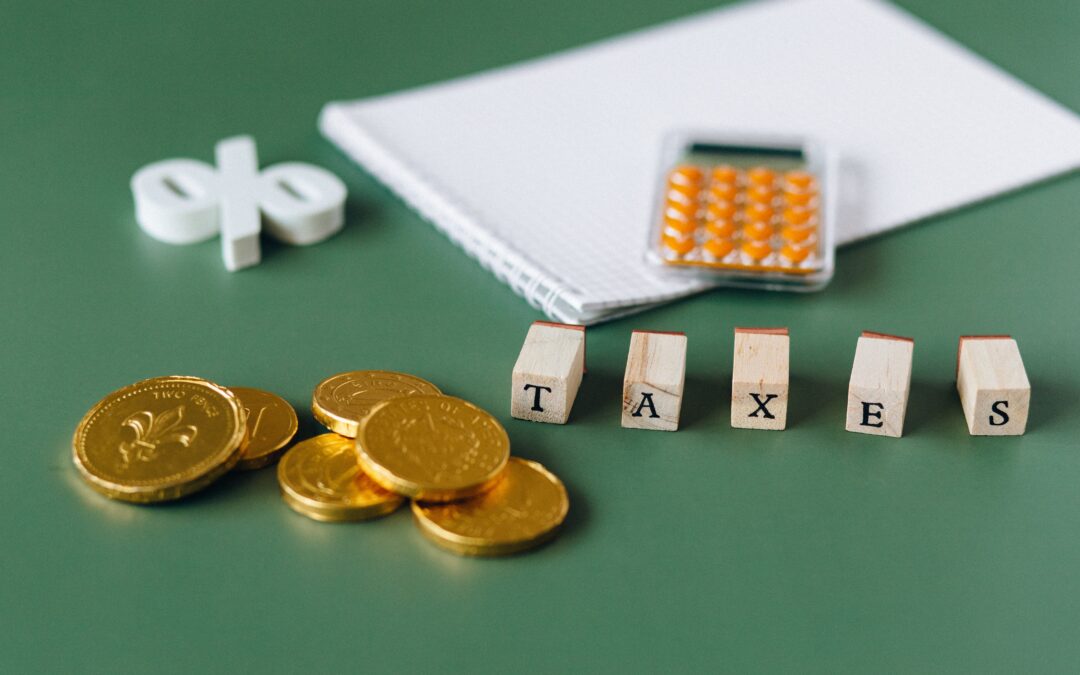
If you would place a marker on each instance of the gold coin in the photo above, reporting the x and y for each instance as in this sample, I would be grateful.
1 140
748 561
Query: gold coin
271 424
525 509
159 439
321 479
435 448
342 401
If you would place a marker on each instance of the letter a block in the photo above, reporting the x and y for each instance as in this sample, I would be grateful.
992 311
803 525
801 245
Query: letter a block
993 385
879 384
759 378
654 379
548 372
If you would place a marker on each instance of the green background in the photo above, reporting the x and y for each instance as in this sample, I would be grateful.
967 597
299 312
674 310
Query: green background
810 550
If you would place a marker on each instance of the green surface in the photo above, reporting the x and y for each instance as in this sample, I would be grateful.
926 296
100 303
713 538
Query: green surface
812 550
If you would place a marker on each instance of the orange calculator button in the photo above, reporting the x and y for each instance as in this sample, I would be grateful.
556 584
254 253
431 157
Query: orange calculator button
759 230
797 215
759 211
718 248
687 210
793 198
686 174
725 174
761 176
799 180
796 254
719 210
685 226
723 192
682 246
687 191
721 227
761 194
797 233
757 250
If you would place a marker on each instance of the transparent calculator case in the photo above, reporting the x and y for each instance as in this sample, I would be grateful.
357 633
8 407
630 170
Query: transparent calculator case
747 211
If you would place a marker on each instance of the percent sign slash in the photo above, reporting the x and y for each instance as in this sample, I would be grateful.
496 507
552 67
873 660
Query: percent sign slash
184 201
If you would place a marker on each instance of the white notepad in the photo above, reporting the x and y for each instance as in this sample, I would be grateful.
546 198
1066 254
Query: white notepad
545 171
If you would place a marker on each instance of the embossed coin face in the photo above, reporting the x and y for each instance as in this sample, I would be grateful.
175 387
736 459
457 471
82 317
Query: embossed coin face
321 479
436 448
159 439
271 424
524 509
342 401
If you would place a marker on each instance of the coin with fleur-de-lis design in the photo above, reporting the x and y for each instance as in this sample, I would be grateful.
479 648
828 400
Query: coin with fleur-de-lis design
159 439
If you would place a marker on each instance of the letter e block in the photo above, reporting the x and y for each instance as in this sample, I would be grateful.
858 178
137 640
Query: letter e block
548 372
993 385
654 379
759 378
879 384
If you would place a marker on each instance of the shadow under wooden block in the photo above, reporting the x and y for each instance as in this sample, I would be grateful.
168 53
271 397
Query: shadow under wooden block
879 385
759 378
993 385
654 380
548 372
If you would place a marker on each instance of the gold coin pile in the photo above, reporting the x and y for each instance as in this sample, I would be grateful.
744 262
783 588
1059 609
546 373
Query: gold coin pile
393 436
396 436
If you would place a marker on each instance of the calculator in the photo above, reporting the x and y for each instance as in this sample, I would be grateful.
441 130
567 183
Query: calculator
745 211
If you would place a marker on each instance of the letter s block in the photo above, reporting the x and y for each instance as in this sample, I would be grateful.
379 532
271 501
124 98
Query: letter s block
548 372
653 381
759 378
993 385
879 384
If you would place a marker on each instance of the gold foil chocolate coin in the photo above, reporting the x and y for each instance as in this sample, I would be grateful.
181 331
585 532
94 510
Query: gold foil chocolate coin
321 479
435 448
525 509
271 424
159 439
342 401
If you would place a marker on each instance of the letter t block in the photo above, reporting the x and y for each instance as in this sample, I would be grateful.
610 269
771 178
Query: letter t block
759 378
993 385
653 381
879 384
548 372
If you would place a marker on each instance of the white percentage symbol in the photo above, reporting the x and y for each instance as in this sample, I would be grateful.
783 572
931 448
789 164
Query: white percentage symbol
184 201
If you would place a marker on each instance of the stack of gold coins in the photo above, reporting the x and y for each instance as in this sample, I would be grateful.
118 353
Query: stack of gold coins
392 437
168 437
396 436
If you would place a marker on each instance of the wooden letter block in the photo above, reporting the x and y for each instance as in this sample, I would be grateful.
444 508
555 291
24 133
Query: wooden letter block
993 385
759 378
548 372
653 383
879 384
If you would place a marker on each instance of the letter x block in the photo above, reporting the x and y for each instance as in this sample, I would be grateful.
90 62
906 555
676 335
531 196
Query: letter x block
654 379
879 384
548 372
759 378
993 385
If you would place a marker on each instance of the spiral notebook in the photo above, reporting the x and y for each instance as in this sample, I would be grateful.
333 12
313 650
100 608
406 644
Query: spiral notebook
544 171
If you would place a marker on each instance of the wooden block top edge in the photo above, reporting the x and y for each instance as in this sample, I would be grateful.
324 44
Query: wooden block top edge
762 331
960 345
885 336
658 332
581 329
554 324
